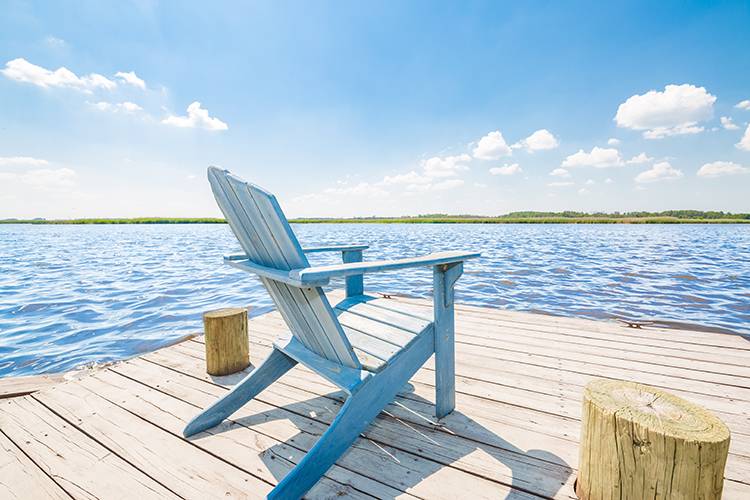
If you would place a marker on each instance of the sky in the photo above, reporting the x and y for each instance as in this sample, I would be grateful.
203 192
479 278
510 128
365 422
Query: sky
115 109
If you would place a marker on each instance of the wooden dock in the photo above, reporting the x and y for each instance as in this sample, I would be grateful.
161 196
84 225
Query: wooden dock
116 432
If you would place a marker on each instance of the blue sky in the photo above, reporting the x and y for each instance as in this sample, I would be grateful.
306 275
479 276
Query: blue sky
385 108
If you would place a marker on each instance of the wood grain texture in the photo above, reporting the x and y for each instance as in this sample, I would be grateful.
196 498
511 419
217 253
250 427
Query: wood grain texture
274 366
11 387
514 433
227 346
444 278
641 442
360 408
318 340
79 465
21 478
263 231
354 284
314 274
178 465
335 248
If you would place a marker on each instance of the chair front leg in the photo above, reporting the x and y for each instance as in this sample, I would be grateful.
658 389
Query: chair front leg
444 279
276 364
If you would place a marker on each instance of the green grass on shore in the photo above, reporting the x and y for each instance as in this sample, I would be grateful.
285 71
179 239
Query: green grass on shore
526 220
135 220
668 217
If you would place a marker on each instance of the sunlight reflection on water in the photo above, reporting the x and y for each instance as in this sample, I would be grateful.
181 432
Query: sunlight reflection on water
71 295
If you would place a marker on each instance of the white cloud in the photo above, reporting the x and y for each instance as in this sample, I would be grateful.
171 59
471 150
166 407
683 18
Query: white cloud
492 147
745 141
598 157
430 178
506 170
608 180
443 185
560 172
614 142
130 107
22 161
447 184
721 168
21 70
662 132
131 79
560 184
583 191
480 185
114 107
661 171
638 159
728 124
407 178
54 42
590 182
540 140
360 189
743 105
197 117
44 178
675 111
448 166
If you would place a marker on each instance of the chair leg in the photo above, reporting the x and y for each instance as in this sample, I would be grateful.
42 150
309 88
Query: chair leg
275 365
444 277
359 410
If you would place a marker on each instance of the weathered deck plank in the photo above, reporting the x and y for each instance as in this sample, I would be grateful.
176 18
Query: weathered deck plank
78 464
182 468
117 431
12 387
531 381
21 478
551 403
416 442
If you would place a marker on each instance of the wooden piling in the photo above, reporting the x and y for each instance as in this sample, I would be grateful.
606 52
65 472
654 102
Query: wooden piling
641 442
227 348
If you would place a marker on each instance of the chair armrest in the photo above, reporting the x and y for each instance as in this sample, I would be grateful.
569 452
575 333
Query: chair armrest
315 274
335 248
269 272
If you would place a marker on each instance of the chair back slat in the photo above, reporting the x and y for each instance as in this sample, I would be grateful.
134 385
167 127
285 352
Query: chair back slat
263 231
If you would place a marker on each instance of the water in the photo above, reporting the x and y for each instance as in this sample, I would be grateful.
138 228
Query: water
71 295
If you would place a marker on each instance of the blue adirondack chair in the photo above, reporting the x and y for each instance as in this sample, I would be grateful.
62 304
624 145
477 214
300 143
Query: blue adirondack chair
371 360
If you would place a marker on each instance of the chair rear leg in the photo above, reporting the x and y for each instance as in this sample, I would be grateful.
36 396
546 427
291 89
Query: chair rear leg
274 366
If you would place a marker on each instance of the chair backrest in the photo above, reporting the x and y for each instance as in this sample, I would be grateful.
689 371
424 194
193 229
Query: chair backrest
263 231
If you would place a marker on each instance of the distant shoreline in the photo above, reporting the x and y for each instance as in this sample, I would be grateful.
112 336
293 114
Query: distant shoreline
739 219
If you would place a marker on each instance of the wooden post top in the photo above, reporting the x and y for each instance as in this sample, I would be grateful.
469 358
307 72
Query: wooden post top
657 410
224 312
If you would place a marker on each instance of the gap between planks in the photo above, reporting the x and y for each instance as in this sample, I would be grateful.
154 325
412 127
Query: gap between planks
740 446
300 399
173 363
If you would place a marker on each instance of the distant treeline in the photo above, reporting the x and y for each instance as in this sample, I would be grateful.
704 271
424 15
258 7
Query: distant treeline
567 217
531 217
135 220
679 214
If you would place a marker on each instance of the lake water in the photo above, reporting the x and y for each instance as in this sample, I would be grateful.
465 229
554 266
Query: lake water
71 295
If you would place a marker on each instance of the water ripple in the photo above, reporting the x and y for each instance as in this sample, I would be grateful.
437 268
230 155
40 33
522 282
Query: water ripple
71 295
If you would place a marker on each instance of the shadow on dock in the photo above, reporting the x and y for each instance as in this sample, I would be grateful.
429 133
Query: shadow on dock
543 472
